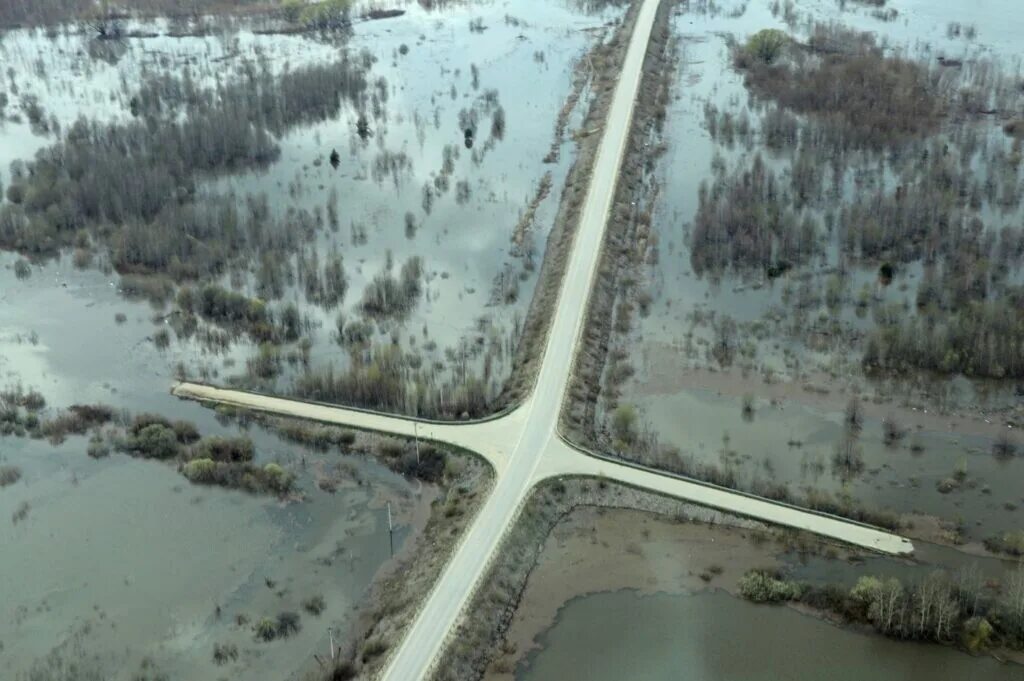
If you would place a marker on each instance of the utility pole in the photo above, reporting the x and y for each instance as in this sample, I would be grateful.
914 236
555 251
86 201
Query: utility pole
330 631
416 439
391 531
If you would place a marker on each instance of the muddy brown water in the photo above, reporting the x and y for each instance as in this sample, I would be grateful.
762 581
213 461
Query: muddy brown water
715 637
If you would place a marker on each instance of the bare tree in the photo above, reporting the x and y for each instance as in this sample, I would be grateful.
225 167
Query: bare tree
106 22
888 606
1014 598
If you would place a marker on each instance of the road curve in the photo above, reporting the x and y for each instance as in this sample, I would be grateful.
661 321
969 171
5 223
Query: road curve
488 439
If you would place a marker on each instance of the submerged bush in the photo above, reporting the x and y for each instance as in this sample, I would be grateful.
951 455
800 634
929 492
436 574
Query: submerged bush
314 605
766 45
761 586
218 448
224 653
200 470
266 629
156 441
9 475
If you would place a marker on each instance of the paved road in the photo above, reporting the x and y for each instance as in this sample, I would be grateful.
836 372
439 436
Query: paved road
524 446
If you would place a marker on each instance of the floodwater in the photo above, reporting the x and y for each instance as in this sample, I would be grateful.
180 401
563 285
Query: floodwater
429 70
793 440
124 566
716 637
120 561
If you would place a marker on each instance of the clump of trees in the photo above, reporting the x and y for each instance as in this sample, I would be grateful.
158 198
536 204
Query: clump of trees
761 586
764 47
949 610
326 15
388 296
134 188
268 479
212 460
380 376
44 12
848 83
981 340
742 221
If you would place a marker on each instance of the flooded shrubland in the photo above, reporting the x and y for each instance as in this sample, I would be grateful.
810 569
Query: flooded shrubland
820 302
324 201
382 210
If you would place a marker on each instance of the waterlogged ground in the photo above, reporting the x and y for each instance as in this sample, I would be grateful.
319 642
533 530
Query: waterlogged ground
122 564
117 563
624 594
715 637
799 383
405 183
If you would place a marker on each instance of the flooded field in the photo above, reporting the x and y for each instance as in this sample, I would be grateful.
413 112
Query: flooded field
396 227
620 593
123 567
714 637
116 563
771 358
444 184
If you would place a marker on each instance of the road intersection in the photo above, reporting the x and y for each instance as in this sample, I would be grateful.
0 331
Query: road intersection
525 446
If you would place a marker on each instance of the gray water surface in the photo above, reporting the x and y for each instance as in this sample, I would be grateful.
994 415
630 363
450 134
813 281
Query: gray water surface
715 637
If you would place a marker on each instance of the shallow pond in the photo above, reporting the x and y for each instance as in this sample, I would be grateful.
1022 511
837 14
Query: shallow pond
715 637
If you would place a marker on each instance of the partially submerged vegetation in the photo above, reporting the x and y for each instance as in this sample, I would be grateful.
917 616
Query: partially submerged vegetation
212 460
859 96
463 483
860 224
952 610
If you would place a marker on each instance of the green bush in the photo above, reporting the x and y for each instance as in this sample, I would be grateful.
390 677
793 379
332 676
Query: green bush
624 424
766 45
200 470
761 586
866 590
277 479
98 447
156 441
977 634
266 629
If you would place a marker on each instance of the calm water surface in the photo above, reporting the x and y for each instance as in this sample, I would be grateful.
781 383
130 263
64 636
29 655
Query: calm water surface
715 637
